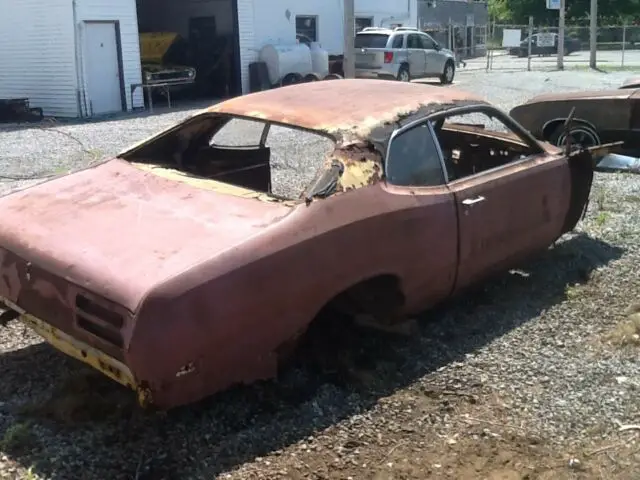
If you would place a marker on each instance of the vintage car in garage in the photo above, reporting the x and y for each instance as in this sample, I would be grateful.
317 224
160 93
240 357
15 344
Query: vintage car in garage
163 56
601 116
178 268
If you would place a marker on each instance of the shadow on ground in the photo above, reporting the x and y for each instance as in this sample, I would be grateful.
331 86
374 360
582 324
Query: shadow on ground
160 107
92 422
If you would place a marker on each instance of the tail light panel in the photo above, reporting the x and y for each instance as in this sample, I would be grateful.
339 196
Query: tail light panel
388 57
99 320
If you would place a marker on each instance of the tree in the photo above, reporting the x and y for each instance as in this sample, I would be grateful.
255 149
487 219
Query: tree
518 11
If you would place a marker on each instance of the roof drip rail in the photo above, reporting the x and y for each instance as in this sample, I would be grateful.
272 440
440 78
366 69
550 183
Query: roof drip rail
411 29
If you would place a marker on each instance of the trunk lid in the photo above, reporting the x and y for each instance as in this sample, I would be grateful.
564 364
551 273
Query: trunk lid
115 231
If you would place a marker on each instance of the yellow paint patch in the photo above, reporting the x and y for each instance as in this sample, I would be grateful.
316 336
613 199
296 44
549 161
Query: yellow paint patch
359 174
207 183
112 368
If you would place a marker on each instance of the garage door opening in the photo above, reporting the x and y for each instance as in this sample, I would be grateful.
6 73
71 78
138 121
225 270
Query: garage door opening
190 49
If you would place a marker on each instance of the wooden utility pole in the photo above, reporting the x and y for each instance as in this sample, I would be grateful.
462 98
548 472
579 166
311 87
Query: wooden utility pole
593 33
563 6
349 60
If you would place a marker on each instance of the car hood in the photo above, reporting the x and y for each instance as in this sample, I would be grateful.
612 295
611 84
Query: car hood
581 95
118 231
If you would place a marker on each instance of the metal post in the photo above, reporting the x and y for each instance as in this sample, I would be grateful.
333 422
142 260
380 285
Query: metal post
624 41
563 7
348 60
593 33
529 43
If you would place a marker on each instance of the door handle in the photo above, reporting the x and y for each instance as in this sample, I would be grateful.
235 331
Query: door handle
473 201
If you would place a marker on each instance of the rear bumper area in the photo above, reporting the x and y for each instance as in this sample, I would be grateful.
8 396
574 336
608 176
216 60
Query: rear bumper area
383 73
109 366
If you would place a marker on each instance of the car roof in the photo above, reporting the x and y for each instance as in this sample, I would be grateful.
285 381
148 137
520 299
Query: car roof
346 107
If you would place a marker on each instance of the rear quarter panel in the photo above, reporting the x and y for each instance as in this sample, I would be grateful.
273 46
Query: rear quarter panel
230 316
605 114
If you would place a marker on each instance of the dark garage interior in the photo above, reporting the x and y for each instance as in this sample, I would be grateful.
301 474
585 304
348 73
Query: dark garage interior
180 36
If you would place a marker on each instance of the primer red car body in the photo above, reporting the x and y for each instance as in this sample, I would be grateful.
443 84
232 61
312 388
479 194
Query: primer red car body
181 286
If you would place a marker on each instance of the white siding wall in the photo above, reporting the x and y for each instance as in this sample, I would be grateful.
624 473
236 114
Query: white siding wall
247 36
123 11
37 54
275 20
387 12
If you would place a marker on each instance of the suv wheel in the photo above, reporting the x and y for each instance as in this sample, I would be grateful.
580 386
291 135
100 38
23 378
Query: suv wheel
403 74
448 73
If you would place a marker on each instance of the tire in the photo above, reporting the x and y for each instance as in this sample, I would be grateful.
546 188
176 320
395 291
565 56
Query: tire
449 72
581 134
333 76
311 77
290 79
403 74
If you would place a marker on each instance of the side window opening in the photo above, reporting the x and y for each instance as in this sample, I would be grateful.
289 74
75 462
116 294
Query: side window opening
413 41
397 41
472 143
414 159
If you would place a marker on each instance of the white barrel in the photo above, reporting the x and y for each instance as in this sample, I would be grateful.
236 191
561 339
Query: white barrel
284 59
319 60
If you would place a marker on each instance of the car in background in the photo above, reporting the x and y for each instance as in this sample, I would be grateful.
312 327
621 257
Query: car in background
632 82
570 45
420 193
600 116
164 57
403 54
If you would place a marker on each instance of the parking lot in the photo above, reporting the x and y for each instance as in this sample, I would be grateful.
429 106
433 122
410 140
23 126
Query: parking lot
530 377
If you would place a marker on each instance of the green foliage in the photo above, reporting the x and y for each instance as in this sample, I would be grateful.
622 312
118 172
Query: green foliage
518 11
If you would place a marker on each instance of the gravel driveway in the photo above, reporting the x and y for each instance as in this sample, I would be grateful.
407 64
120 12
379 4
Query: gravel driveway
531 376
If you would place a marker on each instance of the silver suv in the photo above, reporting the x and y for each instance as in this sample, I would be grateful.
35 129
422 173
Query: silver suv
403 53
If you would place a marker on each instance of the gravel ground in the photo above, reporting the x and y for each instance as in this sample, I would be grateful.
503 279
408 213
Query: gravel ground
530 376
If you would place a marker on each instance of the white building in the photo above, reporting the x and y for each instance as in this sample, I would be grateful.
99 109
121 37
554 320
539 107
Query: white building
79 58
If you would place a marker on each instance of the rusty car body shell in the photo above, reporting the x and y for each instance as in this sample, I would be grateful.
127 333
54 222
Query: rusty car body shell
631 82
179 289
613 114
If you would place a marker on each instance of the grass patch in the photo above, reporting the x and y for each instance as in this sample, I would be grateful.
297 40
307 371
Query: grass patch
18 438
602 218
627 332
602 68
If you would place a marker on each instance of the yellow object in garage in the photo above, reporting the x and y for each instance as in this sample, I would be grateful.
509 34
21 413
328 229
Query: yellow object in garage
154 45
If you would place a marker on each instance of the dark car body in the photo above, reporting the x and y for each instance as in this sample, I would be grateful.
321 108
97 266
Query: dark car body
570 45
179 285
601 116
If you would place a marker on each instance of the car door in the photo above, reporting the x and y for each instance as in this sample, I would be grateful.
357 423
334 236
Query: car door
417 56
511 210
434 58
425 216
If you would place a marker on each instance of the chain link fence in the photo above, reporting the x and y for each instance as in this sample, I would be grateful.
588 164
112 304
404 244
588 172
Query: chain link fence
506 47
617 47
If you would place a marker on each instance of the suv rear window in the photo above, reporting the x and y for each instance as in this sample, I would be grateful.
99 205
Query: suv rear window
371 40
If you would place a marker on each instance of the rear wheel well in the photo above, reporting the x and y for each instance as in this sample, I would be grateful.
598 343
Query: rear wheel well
379 295
549 129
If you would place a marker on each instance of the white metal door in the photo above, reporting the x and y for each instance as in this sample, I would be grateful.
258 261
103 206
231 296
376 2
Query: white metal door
102 68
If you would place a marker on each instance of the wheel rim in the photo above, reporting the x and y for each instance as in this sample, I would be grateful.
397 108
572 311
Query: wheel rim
404 76
448 73
579 136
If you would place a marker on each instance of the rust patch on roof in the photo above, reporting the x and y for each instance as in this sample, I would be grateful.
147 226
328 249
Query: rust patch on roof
350 108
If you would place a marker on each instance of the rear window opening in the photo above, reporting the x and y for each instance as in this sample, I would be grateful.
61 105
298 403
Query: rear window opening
371 40
220 152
